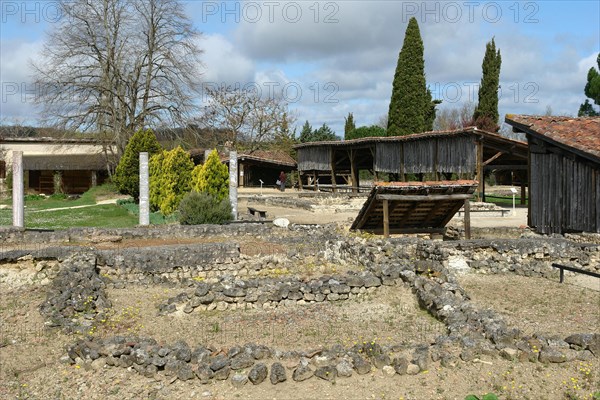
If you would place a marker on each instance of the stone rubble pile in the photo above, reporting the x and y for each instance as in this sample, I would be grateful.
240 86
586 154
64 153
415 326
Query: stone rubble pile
76 299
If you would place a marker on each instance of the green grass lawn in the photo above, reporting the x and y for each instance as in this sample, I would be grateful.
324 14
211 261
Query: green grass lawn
102 216
503 200
105 216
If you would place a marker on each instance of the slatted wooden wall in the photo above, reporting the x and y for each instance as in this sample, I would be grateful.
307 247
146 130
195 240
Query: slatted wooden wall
564 191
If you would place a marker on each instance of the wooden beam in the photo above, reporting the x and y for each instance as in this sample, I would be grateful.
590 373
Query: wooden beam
300 180
479 169
519 167
467 219
495 156
431 197
353 171
386 219
333 188
529 185
379 231
523 177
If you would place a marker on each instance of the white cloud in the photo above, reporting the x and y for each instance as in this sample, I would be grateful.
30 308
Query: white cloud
18 92
223 62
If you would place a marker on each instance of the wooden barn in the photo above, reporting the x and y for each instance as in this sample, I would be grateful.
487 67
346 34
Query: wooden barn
468 153
265 165
564 170
254 166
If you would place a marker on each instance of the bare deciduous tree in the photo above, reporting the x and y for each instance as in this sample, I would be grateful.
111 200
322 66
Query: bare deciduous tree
248 118
454 118
115 66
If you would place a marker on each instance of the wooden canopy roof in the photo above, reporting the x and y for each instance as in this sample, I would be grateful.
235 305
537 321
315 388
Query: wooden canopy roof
448 151
413 207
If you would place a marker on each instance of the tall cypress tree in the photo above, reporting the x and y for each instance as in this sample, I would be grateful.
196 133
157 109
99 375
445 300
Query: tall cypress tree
486 112
349 126
591 90
409 103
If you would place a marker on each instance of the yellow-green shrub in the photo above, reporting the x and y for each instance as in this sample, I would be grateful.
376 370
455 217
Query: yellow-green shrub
170 179
212 177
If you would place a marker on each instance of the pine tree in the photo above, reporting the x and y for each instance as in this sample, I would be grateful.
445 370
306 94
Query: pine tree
366 131
591 90
349 126
430 111
127 174
306 133
409 105
486 113
324 133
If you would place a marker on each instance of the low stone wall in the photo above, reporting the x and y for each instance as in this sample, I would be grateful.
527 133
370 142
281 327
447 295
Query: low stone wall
272 293
528 257
472 333
18 236
428 267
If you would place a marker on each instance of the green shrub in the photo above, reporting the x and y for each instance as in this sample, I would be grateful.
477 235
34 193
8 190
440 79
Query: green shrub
34 197
170 179
212 177
202 208
127 174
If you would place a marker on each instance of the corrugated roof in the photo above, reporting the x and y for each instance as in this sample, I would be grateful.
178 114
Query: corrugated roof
581 133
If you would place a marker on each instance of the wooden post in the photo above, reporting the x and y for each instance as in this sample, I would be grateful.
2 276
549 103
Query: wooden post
467 219
529 181
386 219
94 178
299 180
523 191
333 188
353 172
479 167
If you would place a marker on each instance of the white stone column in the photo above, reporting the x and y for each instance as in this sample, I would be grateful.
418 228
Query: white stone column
144 190
18 191
233 183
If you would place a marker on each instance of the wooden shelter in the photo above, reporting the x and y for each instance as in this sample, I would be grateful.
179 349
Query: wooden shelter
413 207
254 166
73 164
564 170
467 152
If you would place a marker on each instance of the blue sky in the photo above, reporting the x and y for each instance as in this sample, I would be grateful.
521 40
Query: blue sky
335 57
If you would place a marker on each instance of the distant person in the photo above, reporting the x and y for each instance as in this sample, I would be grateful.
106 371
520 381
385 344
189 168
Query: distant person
281 181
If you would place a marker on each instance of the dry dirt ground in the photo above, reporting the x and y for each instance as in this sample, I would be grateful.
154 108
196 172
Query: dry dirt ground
30 353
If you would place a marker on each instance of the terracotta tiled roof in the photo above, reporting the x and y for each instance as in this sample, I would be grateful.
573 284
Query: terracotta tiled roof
269 156
428 184
582 133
